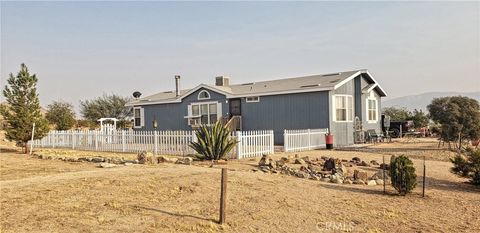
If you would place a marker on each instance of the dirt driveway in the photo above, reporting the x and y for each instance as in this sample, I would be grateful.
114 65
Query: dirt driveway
55 196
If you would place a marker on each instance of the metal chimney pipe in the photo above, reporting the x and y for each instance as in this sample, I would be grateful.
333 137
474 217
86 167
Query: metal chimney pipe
177 85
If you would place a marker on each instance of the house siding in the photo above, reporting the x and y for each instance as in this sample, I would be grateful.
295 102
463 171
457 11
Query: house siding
292 111
342 131
172 116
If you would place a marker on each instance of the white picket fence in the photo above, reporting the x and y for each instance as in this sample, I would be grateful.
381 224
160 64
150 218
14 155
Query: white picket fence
250 143
254 143
304 139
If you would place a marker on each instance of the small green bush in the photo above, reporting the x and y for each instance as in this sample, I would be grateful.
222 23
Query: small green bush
468 165
403 175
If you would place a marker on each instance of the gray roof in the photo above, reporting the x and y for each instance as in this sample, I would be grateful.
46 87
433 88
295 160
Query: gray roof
279 86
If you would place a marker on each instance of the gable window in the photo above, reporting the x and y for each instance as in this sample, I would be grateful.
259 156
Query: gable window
203 113
203 95
252 99
343 105
372 110
138 120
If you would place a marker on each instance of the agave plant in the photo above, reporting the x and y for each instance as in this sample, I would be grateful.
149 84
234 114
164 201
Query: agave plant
213 141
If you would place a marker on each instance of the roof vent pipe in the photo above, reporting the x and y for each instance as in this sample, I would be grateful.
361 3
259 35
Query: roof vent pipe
177 85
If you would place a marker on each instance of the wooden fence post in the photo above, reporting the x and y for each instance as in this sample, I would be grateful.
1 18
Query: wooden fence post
424 173
223 195
384 178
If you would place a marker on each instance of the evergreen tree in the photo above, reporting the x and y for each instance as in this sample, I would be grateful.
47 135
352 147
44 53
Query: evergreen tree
61 114
23 108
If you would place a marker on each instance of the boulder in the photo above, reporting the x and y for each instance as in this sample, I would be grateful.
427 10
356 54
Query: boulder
358 182
106 165
385 166
356 160
128 164
266 160
340 170
359 175
374 162
184 161
379 175
371 183
302 174
97 159
325 179
165 159
379 181
347 181
300 161
329 164
363 163
280 163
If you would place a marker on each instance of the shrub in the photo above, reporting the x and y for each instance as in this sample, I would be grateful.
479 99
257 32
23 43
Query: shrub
468 165
213 141
403 175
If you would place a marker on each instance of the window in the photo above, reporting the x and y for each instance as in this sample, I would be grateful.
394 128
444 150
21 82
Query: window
203 95
252 99
343 105
138 117
203 113
372 110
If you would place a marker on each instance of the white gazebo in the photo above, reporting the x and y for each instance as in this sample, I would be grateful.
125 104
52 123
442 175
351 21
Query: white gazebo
105 126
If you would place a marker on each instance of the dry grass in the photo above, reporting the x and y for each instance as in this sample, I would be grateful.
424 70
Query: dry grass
55 196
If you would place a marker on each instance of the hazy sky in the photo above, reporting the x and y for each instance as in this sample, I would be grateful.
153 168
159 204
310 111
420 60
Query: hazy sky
81 50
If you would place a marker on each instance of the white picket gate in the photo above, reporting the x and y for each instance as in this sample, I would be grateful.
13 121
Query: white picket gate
250 143
304 139
254 143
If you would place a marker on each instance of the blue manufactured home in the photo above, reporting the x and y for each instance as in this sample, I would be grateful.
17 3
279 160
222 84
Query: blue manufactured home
330 101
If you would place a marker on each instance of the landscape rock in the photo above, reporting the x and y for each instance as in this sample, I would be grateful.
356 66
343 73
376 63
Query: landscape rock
106 165
329 164
347 181
266 160
358 175
97 159
280 163
300 161
358 182
184 161
325 179
364 164
371 183
385 166
374 162
379 181
356 160
166 159
128 164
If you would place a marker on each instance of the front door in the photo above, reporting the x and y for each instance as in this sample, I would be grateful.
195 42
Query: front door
235 107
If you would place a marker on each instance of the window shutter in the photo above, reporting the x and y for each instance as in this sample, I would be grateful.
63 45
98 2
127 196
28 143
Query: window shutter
142 117
219 110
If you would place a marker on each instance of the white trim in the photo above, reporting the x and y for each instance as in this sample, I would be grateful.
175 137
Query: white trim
203 91
334 108
355 75
252 101
368 109
142 118
219 110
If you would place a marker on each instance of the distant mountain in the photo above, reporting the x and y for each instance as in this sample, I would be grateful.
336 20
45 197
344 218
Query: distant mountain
421 101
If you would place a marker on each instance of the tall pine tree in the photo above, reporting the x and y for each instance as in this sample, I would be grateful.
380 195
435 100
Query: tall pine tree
23 108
